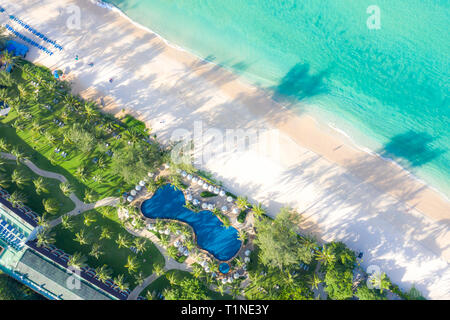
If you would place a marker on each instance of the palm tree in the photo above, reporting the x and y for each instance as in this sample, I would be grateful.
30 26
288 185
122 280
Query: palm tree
81 237
42 221
158 269
19 178
20 156
258 210
325 255
220 288
17 199
67 222
45 238
81 173
4 146
242 235
197 270
122 241
139 244
90 110
89 218
4 181
242 203
150 295
9 59
40 185
119 281
213 267
103 273
132 264
309 242
172 278
315 281
51 205
140 278
89 196
380 281
96 251
106 233
77 261
66 188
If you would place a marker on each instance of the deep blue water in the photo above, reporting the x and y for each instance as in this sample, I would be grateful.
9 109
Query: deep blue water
212 236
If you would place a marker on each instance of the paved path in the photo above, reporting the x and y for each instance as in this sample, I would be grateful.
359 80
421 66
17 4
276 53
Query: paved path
80 206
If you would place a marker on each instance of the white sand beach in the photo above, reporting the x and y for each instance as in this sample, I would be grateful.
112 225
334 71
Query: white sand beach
344 193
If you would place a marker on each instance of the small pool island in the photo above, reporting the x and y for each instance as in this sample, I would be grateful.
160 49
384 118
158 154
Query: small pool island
211 235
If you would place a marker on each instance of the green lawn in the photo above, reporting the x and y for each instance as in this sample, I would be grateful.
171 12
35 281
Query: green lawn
162 283
114 257
34 200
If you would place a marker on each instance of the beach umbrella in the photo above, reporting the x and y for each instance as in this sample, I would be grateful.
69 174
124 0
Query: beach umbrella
189 197
183 173
213 274
229 199
210 207
203 263
138 188
216 190
221 193
177 243
247 252
204 206
200 182
133 192
207 268
167 232
194 179
189 176
195 202
246 260
205 186
130 198
142 183
150 174
236 275
224 280
224 208
230 280
166 166
210 188
235 210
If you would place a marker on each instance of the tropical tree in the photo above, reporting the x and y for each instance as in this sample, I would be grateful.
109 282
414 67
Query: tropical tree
17 199
103 273
81 173
77 260
4 181
132 264
158 269
325 255
140 278
258 210
51 205
19 178
139 244
20 156
172 278
122 241
242 203
4 146
119 281
242 235
44 238
89 218
42 221
96 251
40 185
380 281
66 188
67 222
150 295
314 281
89 196
81 237
106 233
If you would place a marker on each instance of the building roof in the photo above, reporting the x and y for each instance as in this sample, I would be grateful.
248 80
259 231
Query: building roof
56 279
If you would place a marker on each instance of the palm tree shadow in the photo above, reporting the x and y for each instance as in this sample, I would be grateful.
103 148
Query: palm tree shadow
299 83
413 147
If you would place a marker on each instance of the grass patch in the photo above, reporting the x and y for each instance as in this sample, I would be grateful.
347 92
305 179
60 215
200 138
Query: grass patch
207 194
114 258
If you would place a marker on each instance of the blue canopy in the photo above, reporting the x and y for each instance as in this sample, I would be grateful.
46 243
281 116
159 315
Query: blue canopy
16 48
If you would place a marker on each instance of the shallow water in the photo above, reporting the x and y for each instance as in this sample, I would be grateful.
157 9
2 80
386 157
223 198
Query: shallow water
386 88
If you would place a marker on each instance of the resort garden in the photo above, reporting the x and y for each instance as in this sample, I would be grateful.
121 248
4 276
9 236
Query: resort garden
103 157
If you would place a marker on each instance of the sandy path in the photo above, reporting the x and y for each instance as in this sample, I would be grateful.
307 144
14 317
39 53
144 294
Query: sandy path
344 193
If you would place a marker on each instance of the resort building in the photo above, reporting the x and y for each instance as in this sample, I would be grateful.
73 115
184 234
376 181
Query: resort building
42 269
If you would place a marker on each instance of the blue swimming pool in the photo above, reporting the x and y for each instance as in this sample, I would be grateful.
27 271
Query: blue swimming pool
212 236
224 268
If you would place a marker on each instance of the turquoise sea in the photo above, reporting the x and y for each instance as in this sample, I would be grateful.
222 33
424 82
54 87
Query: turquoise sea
387 88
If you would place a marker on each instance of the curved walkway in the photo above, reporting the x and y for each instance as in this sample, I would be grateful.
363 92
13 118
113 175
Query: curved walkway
80 206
